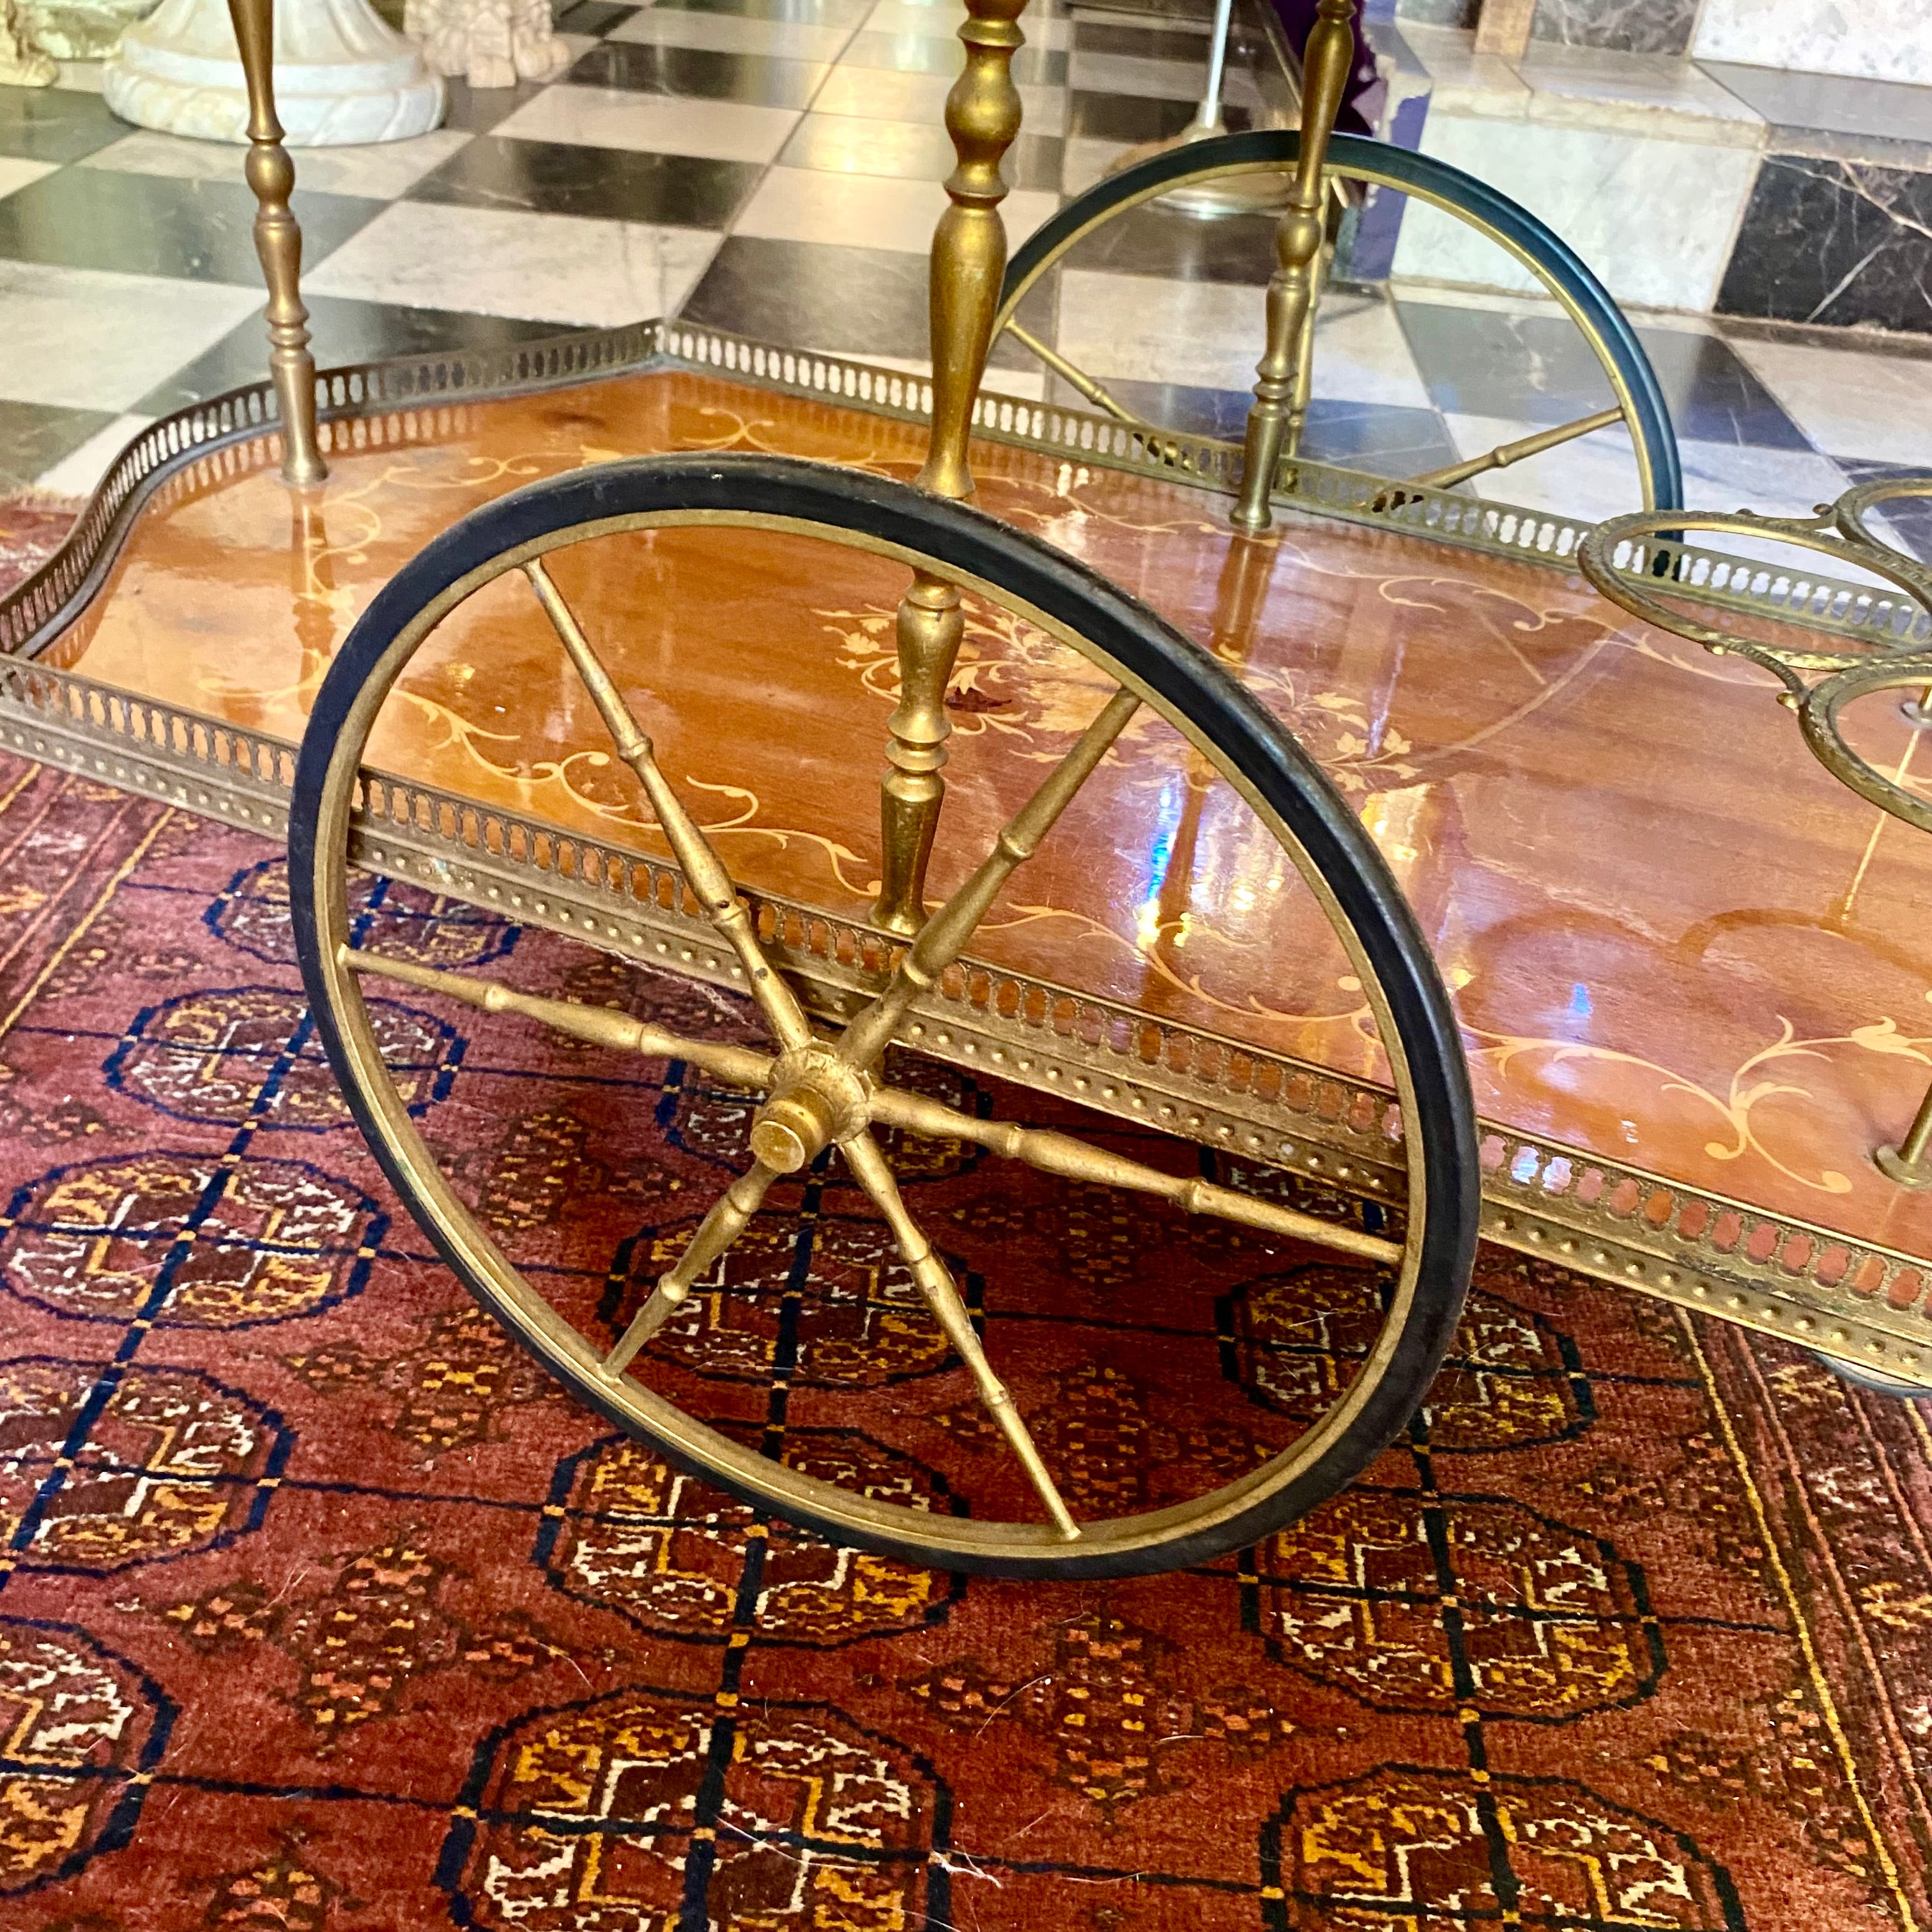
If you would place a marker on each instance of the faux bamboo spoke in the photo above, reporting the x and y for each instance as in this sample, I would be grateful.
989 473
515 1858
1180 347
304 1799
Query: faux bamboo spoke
1504 453
703 869
736 1065
715 1233
874 1174
944 936
1074 376
1075 1159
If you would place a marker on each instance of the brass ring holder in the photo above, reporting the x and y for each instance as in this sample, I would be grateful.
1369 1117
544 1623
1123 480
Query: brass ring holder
1819 683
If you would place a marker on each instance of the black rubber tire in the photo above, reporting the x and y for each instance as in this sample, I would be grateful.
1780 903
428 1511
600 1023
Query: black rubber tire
1166 663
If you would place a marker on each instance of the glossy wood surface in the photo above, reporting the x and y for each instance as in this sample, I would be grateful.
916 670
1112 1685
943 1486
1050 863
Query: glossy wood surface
1675 940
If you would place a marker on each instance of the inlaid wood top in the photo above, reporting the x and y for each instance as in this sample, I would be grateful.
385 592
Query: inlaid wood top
1674 940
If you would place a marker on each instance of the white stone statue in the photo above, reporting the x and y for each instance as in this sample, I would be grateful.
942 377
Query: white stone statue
490 43
343 75
21 64
79 30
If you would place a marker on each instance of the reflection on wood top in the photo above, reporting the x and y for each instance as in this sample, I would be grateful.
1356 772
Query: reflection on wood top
1674 941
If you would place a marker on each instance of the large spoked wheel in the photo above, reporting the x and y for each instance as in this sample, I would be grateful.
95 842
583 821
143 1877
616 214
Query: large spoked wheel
1638 401
825 1097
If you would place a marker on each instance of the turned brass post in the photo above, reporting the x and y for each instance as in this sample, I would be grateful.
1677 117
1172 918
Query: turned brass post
969 257
1906 1163
271 175
1281 397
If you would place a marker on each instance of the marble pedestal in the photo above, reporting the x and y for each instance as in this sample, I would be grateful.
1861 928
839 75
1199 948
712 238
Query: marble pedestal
343 76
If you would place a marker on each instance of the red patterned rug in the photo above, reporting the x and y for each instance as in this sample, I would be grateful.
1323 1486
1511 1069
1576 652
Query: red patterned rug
33 524
325 1611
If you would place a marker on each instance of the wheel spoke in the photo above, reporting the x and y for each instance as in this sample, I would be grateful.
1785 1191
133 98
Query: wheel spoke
704 870
935 1283
944 936
1073 375
736 1065
1504 453
1074 1159
720 1228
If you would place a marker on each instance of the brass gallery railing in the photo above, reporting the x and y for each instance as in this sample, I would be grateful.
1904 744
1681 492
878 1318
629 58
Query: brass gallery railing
403 402
1859 1300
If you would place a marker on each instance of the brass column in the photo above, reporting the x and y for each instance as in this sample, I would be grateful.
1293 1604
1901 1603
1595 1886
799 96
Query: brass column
969 257
1281 392
278 242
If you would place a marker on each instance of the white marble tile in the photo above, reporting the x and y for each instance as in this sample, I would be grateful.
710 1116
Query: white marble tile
1137 75
1877 39
1083 160
868 210
919 97
543 267
1602 193
579 44
70 337
78 76
1030 384
77 473
1891 110
1655 96
17 173
1848 402
1465 81
379 171
1145 329
730 33
661 123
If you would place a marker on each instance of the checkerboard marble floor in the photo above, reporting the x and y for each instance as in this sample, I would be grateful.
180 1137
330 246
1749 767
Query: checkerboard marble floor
773 167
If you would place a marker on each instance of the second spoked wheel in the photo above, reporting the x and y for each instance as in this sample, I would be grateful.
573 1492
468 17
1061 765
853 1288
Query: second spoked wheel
1632 399
828 1106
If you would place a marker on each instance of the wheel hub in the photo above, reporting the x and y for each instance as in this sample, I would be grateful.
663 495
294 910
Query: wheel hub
816 1099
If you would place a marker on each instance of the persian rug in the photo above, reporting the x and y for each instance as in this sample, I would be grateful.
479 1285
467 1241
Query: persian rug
33 525
324 1610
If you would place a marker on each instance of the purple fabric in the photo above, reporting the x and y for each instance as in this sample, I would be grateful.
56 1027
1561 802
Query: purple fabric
1297 18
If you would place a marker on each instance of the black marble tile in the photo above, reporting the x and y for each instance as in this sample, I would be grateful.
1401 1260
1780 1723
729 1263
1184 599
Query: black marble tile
1910 517
35 437
1137 117
1151 240
848 301
917 151
1539 368
1438 13
806 13
1832 241
478 110
565 178
55 124
700 73
1148 42
153 225
596 17
946 53
1628 26
341 331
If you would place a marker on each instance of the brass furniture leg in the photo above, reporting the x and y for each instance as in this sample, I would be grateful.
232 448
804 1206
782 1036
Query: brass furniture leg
969 258
1281 400
271 175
